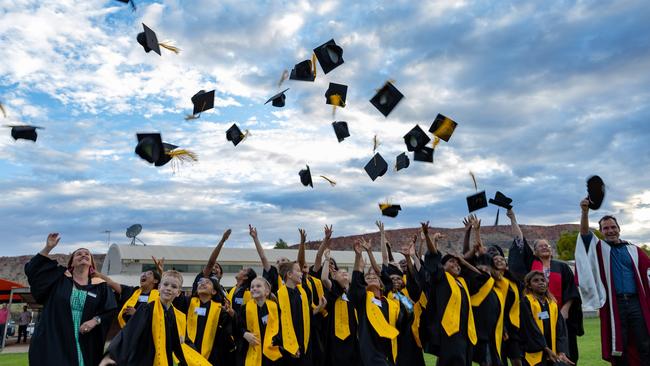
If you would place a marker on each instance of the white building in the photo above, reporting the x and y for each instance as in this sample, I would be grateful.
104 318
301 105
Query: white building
125 263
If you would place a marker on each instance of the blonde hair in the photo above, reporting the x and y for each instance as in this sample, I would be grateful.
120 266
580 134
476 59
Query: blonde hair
266 284
174 274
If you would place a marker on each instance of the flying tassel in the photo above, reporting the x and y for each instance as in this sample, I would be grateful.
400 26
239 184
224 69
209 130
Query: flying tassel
285 76
375 144
313 64
330 181
192 116
183 155
435 142
474 180
2 108
169 46
496 222
245 135
336 101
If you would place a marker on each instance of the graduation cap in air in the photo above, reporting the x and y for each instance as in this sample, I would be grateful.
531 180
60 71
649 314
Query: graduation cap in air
402 162
149 42
25 132
501 200
389 210
129 2
595 191
305 177
150 147
386 98
329 55
341 130
443 127
425 154
376 167
235 135
202 101
416 139
304 71
476 201
336 94
278 99
175 154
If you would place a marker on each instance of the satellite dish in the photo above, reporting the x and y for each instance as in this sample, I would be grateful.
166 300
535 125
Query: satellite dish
132 232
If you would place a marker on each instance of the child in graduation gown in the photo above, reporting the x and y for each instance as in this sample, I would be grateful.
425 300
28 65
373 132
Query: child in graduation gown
257 325
209 323
151 336
543 328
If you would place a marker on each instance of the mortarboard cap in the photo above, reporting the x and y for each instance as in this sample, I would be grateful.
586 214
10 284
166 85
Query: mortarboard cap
376 167
329 55
336 94
166 156
501 200
386 98
476 201
133 7
443 127
402 162
341 130
150 147
148 40
203 101
278 99
305 177
425 154
25 132
389 210
303 71
595 191
416 139
446 258
234 134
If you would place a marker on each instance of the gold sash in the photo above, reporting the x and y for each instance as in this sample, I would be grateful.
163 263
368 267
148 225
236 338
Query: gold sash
536 308
341 319
417 316
451 316
130 303
211 324
289 338
385 329
319 292
266 347
479 297
231 293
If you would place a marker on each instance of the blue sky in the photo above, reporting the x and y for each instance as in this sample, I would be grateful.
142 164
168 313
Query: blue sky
545 94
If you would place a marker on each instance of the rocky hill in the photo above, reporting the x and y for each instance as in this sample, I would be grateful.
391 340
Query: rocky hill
13 268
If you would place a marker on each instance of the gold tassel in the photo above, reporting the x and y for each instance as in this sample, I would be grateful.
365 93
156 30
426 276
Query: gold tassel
336 101
313 64
245 135
375 144
285 76
2 108
192 116
331 182
474 180
436 141
170 47
383 206
183 155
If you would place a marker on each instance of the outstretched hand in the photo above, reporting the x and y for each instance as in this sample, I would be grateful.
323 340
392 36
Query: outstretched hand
52 240
584 204
252 231
303 236
367 245
226 235
160 264
380 225
328 232
358 248
425 228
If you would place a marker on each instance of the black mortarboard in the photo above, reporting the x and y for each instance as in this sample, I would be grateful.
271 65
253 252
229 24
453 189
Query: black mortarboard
203 101
501 200
389 210
402 162
386 98
476 201
483 259
278 99
25 132
329 56
446 258
595 191
416 139
341 130
166 156
234 134
150 147
425 154
129 2
148 40
305 177
443 127
392 270
334 90
303 71
376 167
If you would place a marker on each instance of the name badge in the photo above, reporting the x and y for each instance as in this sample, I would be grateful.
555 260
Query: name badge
265 319
91 294
200 311
376 302
143 298
239 300
543 315
345 297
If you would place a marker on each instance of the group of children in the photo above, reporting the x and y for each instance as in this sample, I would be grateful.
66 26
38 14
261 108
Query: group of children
461 308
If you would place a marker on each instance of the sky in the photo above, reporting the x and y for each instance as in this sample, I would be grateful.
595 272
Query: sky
545 95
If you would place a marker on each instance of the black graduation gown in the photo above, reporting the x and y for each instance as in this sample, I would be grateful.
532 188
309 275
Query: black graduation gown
125 295
223 340
53 341
457 349
295 302
240 328
375 350
317 323
272 276
534 340
221 292
511 347
134 344
340 352
486 317
409 352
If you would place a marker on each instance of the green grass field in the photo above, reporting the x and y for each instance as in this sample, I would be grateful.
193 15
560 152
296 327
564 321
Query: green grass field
589 349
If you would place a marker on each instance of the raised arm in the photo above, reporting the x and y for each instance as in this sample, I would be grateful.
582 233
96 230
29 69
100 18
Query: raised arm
215 253
478 243
358 259
252 231
301 248
516 230
408 250
431 246
367 245
322 247
116 287
467 222
584 217
51 242
382 243
325 273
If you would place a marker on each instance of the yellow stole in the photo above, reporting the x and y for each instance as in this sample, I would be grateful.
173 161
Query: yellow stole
501 290
417 315
319 292
289 338
211 324
451 316
130 303
192 357
479 297
254 353
385 329
536 308
341 319
231 293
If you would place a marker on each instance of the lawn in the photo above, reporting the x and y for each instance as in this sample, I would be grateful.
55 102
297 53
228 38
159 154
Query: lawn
589 349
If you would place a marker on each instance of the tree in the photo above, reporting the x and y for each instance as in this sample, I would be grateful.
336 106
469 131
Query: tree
281 244
566 245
